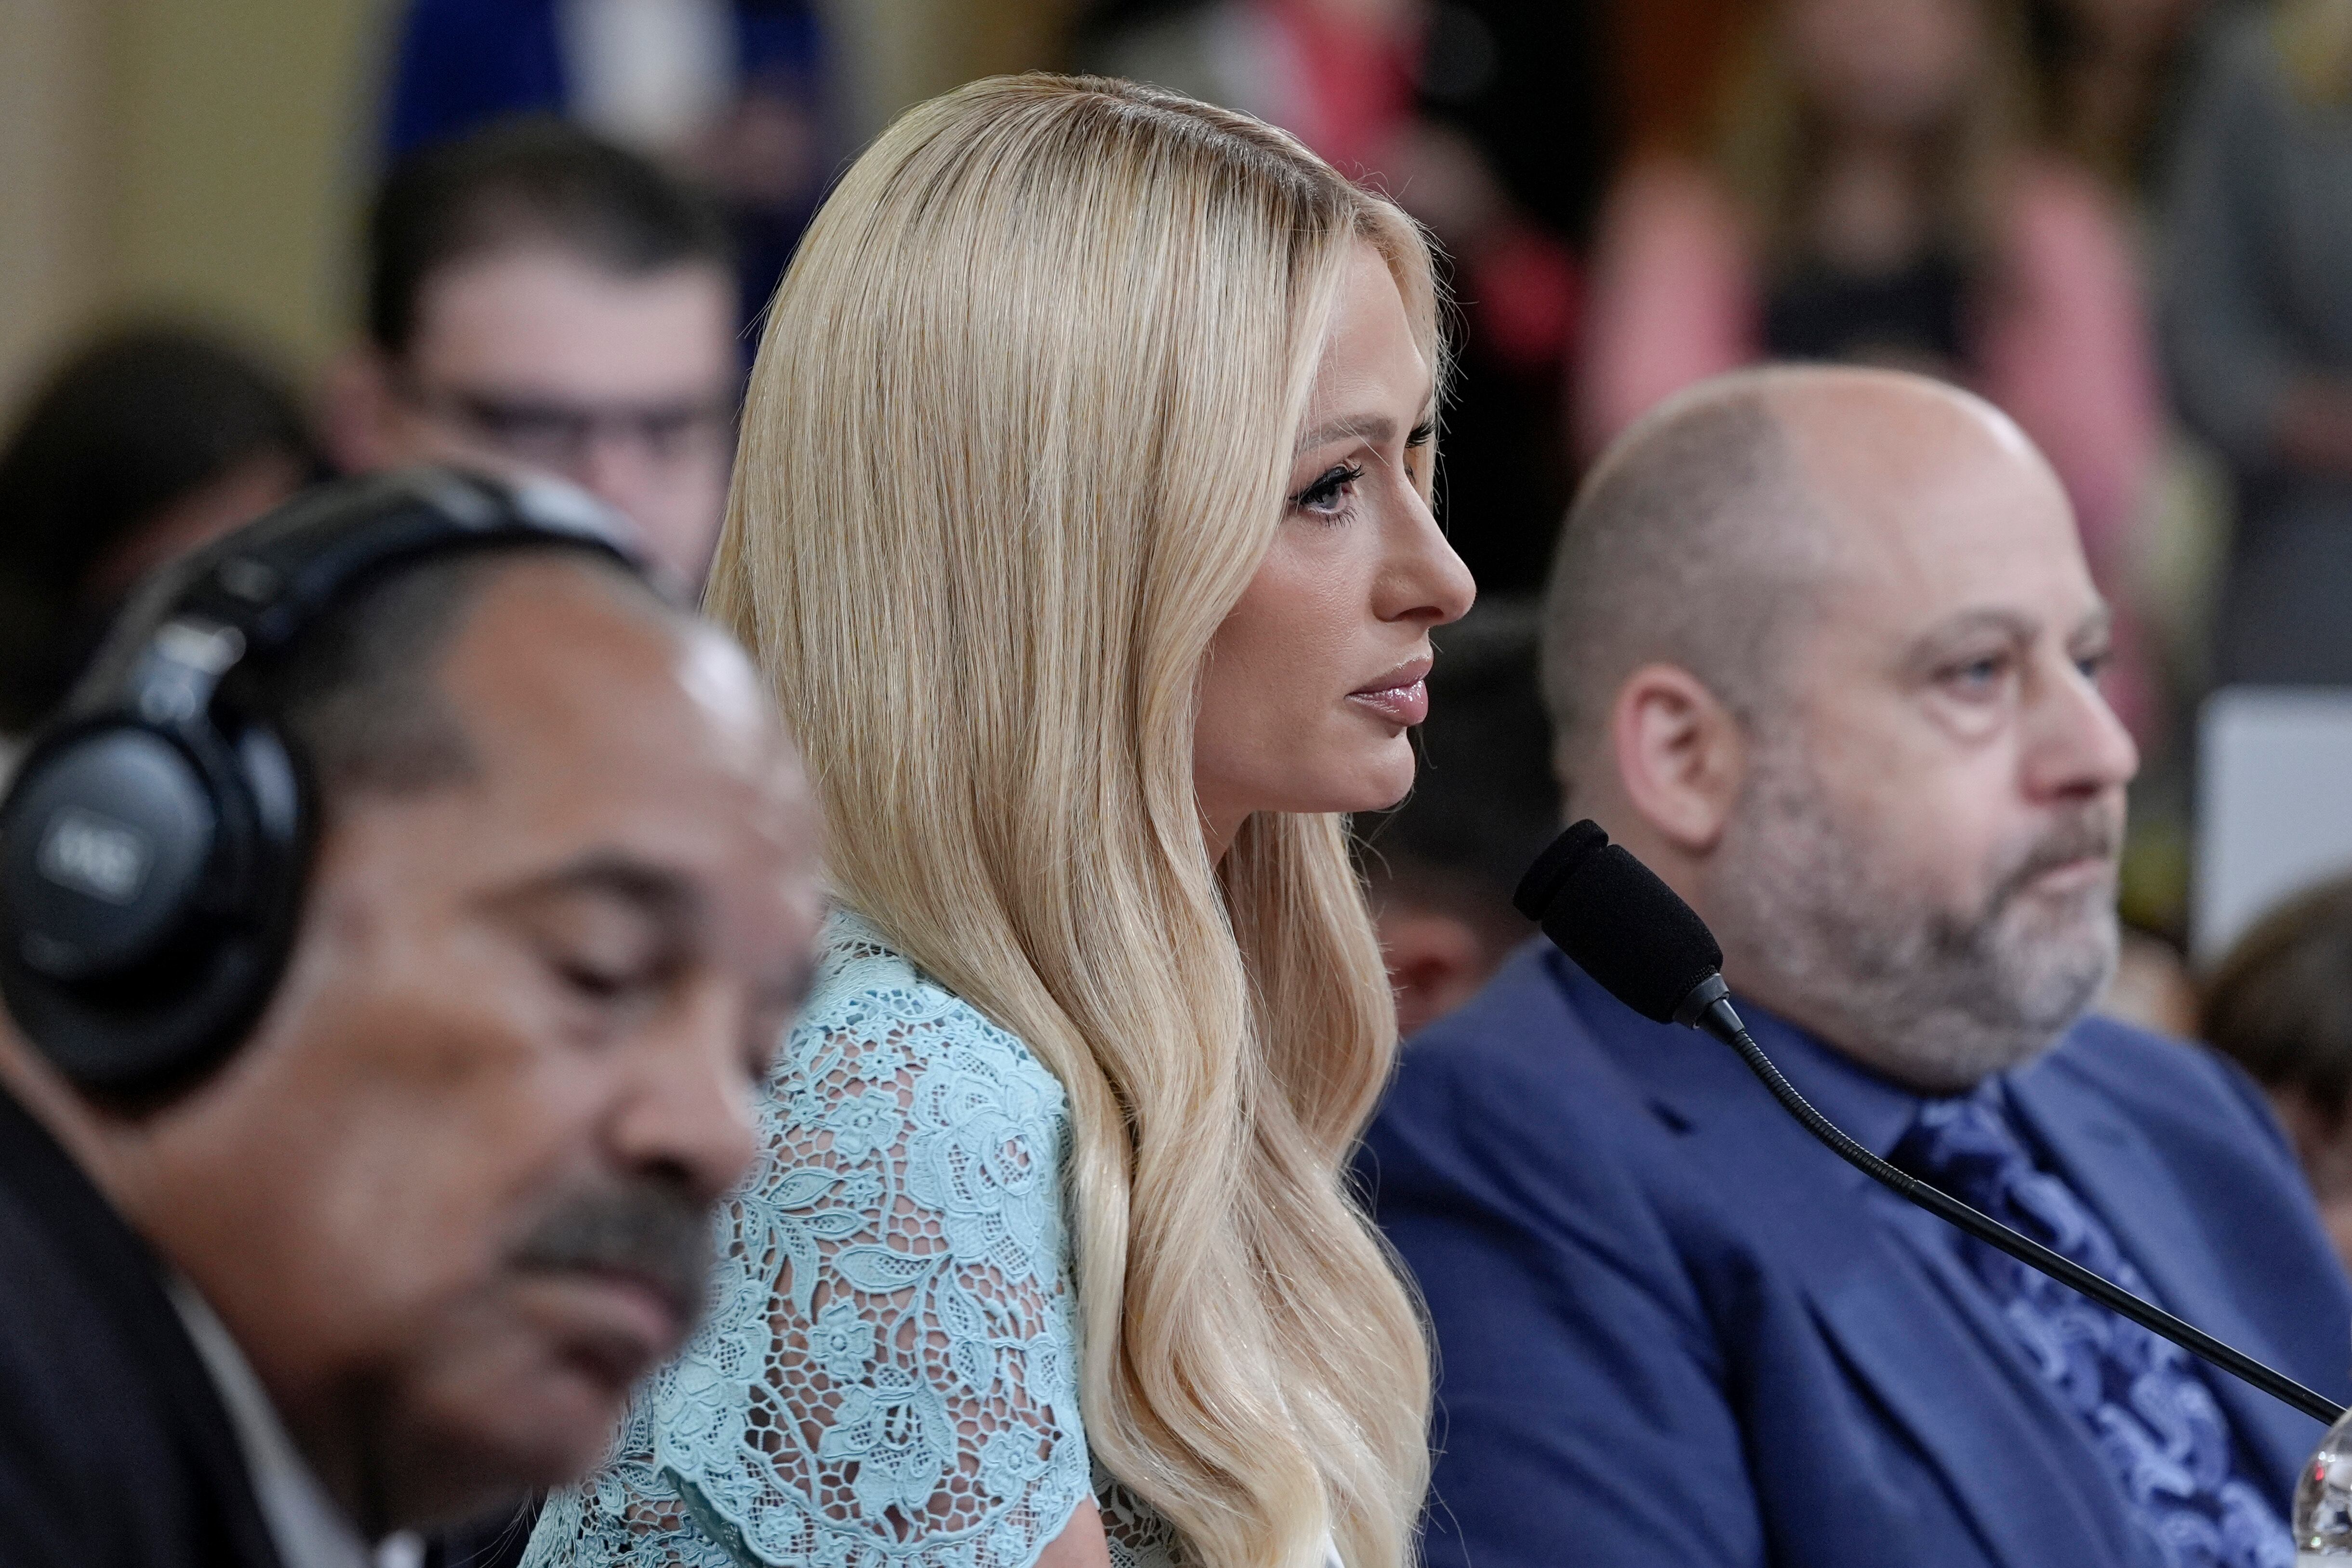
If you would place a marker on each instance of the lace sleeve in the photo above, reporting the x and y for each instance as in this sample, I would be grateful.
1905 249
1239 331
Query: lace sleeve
888 1372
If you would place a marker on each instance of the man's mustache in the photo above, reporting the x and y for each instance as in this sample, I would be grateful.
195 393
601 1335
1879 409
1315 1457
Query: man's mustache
652 1230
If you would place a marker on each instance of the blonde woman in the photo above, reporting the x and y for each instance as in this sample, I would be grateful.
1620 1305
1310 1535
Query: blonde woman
1082 522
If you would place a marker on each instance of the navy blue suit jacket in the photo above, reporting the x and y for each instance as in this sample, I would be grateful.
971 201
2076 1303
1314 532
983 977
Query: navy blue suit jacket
115 1448
1673 1330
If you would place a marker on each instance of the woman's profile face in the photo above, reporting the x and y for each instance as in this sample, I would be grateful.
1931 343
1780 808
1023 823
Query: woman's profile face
1316 675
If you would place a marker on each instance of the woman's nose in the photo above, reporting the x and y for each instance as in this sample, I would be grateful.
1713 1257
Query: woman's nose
1424 579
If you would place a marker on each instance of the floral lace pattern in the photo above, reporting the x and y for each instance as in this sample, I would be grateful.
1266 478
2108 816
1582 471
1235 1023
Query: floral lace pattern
888 1374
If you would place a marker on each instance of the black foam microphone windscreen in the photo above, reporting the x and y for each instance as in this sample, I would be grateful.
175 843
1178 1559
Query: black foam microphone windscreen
1622 925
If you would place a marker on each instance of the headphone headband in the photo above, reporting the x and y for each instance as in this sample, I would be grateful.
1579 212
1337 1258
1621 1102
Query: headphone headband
250 595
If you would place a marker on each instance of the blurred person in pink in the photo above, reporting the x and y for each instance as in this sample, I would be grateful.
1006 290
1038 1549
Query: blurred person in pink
1875 200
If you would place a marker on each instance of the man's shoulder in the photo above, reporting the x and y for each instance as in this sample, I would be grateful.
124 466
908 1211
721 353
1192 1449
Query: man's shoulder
1523 1011
67 1359
2155 1077
1515 1104
102 1460
2170 1091
60 1245
1523 1041
73 1411
57 1330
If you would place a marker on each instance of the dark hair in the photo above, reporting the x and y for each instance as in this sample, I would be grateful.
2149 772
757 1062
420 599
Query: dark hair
360 693
141 419
1484 805
2281 1002
534 180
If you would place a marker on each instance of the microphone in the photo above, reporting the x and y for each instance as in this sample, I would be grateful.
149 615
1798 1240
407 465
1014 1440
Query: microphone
1640 944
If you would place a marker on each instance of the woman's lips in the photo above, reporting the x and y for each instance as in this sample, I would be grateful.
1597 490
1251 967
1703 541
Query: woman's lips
1401 697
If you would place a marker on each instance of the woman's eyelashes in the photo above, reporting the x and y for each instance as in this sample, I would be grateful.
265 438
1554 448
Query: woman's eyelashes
1328 496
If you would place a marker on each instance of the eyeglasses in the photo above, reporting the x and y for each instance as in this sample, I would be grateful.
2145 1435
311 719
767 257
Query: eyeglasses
549 433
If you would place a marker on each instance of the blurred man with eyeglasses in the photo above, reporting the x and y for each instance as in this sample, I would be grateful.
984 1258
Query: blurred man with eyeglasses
539 298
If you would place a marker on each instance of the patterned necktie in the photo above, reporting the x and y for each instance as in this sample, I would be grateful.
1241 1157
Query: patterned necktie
2148 1413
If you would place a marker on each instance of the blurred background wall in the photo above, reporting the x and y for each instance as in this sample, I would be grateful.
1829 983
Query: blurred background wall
898 52
209 156
1629 195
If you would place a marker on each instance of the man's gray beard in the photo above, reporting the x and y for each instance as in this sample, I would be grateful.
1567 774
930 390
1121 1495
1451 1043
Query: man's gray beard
1932 998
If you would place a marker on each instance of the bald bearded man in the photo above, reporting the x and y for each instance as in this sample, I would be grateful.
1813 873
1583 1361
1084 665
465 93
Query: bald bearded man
1822 651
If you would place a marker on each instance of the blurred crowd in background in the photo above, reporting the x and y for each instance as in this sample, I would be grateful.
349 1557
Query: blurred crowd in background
2126 221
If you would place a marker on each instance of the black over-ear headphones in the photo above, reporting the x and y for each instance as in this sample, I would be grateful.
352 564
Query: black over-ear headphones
155 840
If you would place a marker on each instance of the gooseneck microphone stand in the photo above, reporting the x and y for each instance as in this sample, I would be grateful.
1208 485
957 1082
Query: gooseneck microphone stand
1715 1016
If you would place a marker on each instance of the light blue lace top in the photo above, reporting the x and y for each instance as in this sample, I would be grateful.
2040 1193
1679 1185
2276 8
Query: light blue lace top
888 1375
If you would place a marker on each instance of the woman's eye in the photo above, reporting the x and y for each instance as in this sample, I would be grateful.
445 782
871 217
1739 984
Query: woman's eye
1325 494
2094 665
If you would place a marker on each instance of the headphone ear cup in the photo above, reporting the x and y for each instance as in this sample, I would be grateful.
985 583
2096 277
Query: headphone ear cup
146 886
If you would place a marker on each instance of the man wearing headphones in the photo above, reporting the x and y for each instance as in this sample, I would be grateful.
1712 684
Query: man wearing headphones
394 933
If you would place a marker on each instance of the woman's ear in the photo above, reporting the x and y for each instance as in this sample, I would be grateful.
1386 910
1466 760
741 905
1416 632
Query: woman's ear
1680 755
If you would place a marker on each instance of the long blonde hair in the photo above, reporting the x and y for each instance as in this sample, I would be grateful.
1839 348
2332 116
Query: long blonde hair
1017 440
